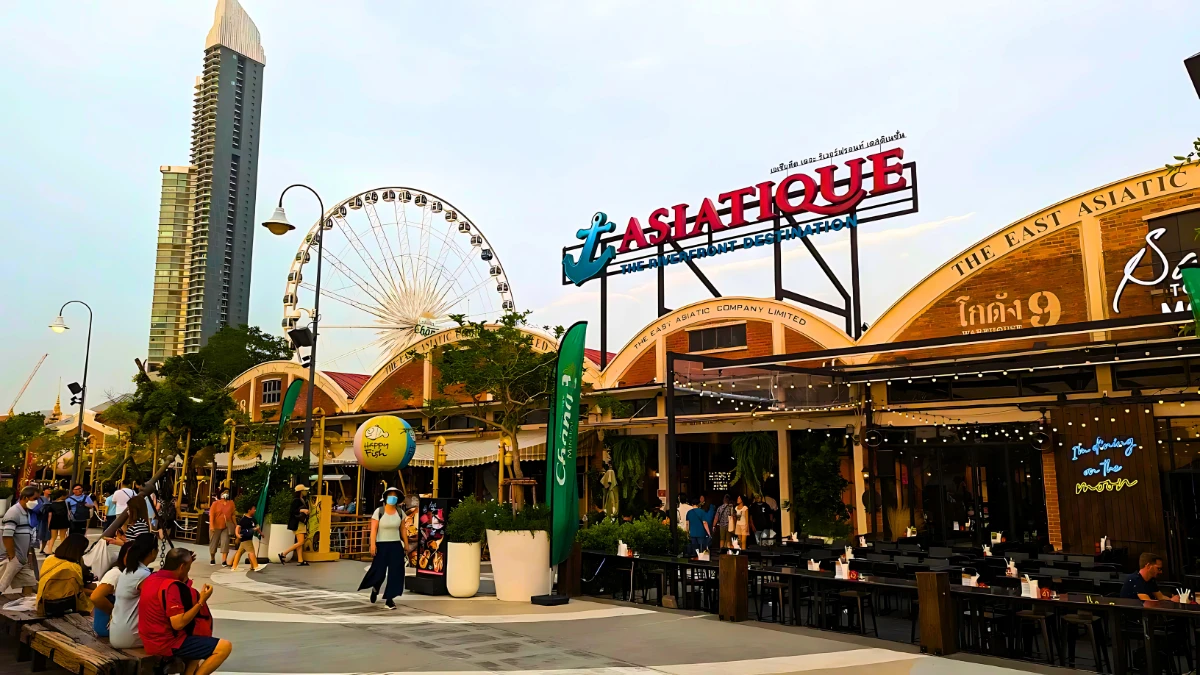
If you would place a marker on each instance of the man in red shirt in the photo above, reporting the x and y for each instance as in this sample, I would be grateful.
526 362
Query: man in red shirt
173 619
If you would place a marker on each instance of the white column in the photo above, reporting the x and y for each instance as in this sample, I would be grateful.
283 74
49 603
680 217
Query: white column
785 482
860 486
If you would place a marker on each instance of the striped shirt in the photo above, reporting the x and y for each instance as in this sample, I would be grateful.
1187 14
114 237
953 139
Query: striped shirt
136 529
16 525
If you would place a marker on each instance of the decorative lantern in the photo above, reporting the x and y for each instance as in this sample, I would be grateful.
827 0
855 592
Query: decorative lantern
384 443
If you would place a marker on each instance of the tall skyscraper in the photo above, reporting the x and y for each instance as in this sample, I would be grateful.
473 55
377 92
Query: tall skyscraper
221 186
168 309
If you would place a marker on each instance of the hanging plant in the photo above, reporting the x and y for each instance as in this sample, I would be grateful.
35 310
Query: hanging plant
753 453
629 463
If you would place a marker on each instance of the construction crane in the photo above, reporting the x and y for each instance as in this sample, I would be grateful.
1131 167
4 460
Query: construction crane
25 386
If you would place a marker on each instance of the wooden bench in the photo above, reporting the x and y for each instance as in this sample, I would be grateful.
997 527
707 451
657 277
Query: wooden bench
12 621
70 641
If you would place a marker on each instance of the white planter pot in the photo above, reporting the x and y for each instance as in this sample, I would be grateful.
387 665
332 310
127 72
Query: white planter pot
4 505
462 569
520 564
279 538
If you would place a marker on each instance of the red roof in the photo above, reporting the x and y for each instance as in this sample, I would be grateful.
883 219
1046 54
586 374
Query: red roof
349 382
593 355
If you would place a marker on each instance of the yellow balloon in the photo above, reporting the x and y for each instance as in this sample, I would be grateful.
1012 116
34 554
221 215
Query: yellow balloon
384 443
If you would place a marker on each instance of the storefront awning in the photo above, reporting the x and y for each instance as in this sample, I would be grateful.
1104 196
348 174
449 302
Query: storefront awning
459 452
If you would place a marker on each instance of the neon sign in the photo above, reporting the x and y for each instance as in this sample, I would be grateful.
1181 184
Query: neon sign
1106 467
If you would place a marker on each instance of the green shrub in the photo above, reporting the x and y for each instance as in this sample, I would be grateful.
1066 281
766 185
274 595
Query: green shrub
244 501
466 522
280 507
497 516
601 536
646 535
6 491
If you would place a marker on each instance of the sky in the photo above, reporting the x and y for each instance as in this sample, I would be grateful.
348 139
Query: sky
532 116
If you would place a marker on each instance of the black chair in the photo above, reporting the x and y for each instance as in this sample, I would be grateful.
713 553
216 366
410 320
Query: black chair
775 592
1096 575
1051 557
906 559
1110 589
860 600
1093 627
860 565
1016 556
937 563
886 569
1075 585
1006 582
1039 622
1051 572
940 551
1084 560
1070 567
879 556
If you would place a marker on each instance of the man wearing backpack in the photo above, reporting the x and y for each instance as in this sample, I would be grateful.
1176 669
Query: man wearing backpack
80 507
121 498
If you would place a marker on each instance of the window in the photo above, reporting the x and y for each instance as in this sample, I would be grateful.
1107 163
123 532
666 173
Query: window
721 337
271 391
1178 240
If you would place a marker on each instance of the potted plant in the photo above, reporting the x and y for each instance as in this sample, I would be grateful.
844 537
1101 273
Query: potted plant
279 506
464 537
520 546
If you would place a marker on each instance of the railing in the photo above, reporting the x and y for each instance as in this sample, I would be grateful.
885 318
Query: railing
350 536
187 526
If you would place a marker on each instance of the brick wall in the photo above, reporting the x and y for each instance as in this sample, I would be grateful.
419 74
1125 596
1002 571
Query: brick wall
1002 295
642 370
1050 484
321 400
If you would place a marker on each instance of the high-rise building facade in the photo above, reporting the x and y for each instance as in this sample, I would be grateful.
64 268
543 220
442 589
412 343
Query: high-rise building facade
204 284
168 309
225 128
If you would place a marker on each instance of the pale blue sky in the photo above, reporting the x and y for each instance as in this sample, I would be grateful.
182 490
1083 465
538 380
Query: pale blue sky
531 116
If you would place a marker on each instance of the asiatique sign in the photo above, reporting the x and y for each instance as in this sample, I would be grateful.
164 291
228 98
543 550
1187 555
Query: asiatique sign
825 193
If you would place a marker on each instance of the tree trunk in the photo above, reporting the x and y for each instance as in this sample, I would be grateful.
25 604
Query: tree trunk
518 492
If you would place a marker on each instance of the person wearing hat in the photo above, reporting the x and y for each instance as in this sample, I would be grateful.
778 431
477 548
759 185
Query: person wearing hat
387 549
298 524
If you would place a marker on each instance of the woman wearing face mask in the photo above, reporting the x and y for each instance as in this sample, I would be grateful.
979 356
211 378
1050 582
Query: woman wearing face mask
387 548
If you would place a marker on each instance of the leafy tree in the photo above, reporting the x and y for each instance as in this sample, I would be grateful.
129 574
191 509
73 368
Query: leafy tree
492 367
16 433
1189 159
817 488
228 353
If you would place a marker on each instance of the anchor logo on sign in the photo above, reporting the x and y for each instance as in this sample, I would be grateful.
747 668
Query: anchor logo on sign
589 264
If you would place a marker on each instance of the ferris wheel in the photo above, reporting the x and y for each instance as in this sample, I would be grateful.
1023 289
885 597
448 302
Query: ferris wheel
398 262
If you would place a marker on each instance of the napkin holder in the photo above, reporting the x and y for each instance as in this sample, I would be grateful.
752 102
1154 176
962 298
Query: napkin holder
622 548
842 571
862 542
987 551
814 566
1025 587
702 556
849 554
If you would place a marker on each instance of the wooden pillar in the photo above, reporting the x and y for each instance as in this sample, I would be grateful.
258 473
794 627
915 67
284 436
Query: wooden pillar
662 468
733 580
937 620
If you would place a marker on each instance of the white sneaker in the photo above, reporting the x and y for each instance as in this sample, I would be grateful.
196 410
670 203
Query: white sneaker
258 569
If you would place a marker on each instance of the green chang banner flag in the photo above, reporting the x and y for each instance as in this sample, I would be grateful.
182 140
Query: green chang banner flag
285 414
1191 284
561 435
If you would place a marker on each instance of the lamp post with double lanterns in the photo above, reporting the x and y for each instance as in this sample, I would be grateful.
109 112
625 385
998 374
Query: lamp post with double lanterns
77 391
303 337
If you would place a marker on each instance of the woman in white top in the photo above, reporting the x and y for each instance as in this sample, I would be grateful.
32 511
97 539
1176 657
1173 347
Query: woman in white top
123 626
387 549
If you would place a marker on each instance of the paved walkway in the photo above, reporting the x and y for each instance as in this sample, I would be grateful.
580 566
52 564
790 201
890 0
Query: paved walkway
288 620
311 620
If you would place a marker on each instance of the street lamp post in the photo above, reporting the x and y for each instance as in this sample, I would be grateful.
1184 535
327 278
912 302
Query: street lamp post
278 224
58 326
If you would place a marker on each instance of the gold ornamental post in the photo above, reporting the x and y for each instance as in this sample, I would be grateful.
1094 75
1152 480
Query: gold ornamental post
439 458
320 413
187 446
229 469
